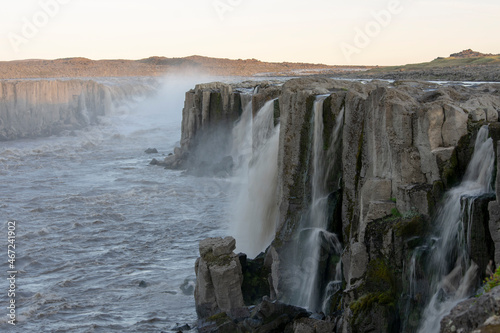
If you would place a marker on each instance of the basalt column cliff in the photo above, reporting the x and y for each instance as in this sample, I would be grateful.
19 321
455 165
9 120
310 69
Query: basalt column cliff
378 161
36 108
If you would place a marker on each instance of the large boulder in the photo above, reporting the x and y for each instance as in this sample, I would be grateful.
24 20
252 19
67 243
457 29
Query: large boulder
219 279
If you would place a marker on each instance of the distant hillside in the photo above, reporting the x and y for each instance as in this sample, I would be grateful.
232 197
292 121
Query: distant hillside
464 58
467 65
156 66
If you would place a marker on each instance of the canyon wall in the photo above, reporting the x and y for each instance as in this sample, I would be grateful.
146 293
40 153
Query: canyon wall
34 108
402 146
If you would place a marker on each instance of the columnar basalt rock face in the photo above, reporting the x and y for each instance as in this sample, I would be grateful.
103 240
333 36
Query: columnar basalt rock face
402 145
209 113
205 106
33 108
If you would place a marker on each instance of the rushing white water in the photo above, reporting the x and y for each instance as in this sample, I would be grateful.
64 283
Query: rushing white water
256 209
241 151
448 287
317 242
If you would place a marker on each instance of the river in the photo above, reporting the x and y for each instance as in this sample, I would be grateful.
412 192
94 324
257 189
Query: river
104 241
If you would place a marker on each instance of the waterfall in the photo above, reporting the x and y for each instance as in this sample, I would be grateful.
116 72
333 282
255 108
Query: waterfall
241 150
256 141
454 275
317 244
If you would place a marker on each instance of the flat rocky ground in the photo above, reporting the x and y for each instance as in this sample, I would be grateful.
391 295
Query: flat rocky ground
488 73
156 66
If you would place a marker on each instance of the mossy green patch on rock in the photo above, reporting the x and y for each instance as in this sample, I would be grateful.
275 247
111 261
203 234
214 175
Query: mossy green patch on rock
379 297
223 260
380 277
374 309
254 287
395 213
366 302
216 106
219 319
413 227
255 279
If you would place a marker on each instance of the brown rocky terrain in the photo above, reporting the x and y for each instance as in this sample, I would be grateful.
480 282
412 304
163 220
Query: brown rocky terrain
156 66
485 73
470 54
467 65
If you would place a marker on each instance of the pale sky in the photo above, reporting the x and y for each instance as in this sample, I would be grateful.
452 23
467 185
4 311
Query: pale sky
334 32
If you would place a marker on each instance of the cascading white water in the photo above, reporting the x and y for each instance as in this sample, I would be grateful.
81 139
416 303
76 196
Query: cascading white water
263 126
241 151
256 210
318 243
448 287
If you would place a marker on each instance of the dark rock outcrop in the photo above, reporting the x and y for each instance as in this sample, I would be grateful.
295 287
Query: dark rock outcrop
476 313
255 278
151 151
477 232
